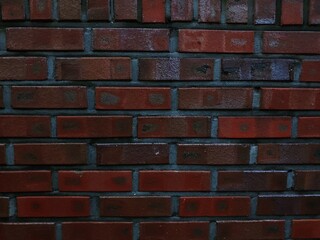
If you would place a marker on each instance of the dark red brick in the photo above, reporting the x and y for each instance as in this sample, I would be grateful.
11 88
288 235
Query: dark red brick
215 98
132 154
50 154
95 181
309 127
216 41
97 230
24 126
129 39
290 98
53 206
94 126
265 12
174 181
214 206
153 11
181 127
254 127
132 98
209 11
158 206
288 153
307 180
237 11
306 229
292 42
25 181
244 230
13 10
181 10
69 9
258 69
2 154
310 71
292 12
125 10
174 69
48 97
98 10
23 68
22 231
314 12
249 181
93 68
174 230
40 9
4 208
44 39
284 205
213 154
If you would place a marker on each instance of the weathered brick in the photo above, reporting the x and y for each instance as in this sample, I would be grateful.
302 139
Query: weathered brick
265 12
181 10
209 11
314 12
125 10
153 11
12 10
237 11
69 9
40 9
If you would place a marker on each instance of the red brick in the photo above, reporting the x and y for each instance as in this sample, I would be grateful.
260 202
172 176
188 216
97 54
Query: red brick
174 230
22 231
2 154
132 154
258 230
94 126
97 230
153 11
125 9
307 180
252 181
53 206
309 127
254 127
13 10
69 9
48 97
25 181
44 39
93 68
214 206
132 98
215 98
158 206
284 205
237 11
209 11
50 154
129 39
24 126
216 41
314 12
95 181
310 71
292 12
289 153
290 98
291 42
166 127
4 208
23 68
98 10
174 181
181 10
213 154
265 12
40 9
306 229
258 69
172 69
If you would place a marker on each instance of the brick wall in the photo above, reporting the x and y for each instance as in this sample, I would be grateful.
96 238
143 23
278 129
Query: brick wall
159 119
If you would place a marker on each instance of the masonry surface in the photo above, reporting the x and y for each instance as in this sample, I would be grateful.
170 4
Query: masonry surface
159 119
